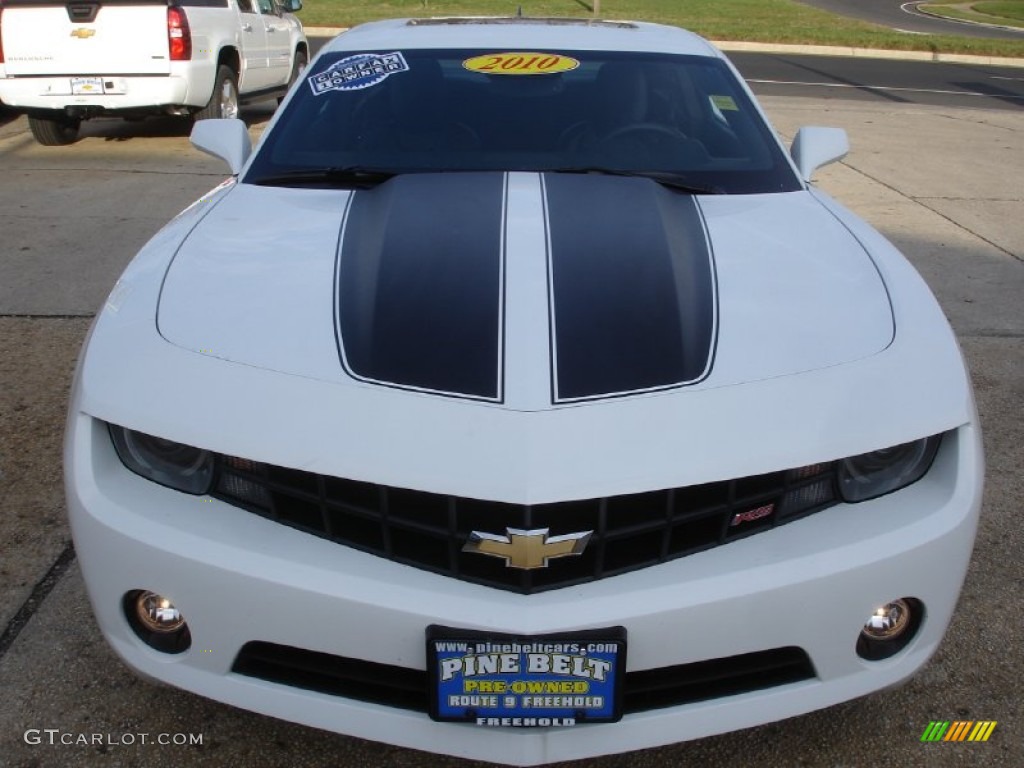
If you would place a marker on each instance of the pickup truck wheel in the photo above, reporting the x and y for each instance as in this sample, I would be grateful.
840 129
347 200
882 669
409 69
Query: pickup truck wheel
298 65
224 100
54 132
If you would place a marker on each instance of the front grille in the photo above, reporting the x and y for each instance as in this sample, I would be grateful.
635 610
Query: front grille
407 688
429 530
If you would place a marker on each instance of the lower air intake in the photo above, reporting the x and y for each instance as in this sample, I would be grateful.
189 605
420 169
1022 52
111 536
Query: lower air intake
404 688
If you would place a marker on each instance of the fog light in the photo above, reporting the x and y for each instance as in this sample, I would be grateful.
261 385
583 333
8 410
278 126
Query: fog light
889 628
158 614
157 621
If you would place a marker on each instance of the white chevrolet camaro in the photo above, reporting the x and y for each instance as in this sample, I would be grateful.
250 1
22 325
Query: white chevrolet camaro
518 398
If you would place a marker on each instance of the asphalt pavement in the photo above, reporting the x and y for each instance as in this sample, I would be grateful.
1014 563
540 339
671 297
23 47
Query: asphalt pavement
904 16
942 182
842 78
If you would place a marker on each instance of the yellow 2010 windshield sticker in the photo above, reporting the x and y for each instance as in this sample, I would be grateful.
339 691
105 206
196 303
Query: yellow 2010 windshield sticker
520 63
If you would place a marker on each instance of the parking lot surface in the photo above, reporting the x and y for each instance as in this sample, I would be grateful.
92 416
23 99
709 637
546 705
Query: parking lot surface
944 184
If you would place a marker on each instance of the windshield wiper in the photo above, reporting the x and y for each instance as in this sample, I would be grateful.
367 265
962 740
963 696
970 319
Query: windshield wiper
674 181
348 177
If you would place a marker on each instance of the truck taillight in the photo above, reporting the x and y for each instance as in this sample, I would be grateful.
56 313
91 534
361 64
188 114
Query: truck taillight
178 34
1 35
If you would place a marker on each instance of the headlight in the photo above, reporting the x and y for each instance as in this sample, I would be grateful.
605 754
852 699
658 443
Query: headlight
164 461
880 472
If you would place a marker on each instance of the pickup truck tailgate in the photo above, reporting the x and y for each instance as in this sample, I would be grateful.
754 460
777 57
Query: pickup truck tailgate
85 38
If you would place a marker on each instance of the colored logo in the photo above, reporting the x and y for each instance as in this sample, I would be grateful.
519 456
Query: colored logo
527 549
355 72
958 730
82 32
520 63
751 515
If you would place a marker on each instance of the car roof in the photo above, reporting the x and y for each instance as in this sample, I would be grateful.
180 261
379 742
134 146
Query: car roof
522 33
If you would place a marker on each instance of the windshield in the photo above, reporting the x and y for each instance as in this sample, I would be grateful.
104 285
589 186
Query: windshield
684 120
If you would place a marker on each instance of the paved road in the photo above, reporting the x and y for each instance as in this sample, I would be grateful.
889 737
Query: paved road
882 81
902 15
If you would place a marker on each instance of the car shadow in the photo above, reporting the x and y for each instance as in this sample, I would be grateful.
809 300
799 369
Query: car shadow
117 129
7 115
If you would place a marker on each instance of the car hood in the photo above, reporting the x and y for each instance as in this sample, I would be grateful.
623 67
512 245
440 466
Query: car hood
524 290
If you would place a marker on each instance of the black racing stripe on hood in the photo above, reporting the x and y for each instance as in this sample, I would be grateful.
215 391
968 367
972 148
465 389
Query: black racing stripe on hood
420 283
632 286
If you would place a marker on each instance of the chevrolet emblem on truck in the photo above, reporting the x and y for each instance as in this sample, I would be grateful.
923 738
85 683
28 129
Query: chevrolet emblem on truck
527 549
82 32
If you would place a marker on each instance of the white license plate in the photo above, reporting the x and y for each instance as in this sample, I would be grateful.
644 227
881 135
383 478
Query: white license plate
86 86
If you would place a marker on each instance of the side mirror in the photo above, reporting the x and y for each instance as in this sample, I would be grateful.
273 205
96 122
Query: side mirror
226 138
291 6
814 147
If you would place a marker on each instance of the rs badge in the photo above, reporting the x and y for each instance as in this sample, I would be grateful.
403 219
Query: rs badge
527 549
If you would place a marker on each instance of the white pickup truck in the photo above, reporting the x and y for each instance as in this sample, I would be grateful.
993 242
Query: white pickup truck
64 62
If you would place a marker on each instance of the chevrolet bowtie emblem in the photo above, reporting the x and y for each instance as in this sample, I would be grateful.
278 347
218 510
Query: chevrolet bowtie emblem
82 32
527 549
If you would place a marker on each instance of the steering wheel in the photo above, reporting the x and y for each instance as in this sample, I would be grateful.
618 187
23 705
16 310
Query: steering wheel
571 137
651 128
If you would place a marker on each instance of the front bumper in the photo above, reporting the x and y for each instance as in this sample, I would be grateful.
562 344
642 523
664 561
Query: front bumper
239 578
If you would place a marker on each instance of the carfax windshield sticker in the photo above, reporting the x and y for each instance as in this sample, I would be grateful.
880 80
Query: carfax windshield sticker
520 63
526 683
356 72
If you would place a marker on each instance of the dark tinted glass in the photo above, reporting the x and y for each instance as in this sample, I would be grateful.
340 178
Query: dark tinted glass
428 110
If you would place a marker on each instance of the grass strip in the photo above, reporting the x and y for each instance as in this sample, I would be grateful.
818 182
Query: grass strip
1006 14
1004 9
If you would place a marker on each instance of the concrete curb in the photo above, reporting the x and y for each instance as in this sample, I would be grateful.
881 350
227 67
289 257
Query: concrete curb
812 50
